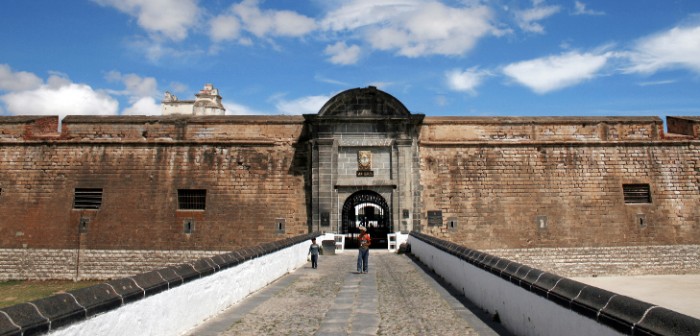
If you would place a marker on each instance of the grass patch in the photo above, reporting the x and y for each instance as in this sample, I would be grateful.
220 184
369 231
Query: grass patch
20 291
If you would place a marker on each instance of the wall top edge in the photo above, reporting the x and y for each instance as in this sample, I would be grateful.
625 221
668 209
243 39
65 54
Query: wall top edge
227 119
437 120
665 142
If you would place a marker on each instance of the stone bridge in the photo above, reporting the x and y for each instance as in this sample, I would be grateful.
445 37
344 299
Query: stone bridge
439 288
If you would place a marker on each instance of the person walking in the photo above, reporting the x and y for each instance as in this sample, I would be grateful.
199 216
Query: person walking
364 241
314 250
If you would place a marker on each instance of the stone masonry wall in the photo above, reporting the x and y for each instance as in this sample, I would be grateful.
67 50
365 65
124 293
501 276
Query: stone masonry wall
74 264
608 261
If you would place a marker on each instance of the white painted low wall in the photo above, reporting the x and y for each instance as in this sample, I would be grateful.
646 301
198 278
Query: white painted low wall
175 311
520 311
395 240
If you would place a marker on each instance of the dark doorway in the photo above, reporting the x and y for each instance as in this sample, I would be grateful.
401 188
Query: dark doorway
369 209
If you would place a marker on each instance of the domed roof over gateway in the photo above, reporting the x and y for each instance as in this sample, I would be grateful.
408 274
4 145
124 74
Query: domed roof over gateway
362 102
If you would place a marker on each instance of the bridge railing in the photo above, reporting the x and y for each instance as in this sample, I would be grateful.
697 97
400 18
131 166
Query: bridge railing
168 301
529 301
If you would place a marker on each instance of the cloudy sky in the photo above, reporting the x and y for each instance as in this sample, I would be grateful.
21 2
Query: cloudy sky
439 57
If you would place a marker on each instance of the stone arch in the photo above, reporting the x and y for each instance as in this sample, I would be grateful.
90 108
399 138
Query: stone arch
368 208
363 102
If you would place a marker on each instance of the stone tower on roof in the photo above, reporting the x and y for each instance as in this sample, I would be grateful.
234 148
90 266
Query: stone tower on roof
207 102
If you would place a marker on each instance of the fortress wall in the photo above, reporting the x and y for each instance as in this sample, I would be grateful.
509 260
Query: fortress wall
250 184
500 194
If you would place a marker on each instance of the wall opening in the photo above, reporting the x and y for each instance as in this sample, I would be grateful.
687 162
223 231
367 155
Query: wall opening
369 209
636 193
87 198
191 199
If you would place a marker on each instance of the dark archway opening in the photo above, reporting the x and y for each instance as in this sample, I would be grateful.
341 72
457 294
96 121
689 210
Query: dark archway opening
369 209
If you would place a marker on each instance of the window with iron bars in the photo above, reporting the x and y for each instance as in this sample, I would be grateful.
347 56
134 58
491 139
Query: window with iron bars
191 199
636 193
87 198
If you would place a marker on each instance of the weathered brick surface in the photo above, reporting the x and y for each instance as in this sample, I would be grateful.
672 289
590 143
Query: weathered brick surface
251 179
497 191
505 183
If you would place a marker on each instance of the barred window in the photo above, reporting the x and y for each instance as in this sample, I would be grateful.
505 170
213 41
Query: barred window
191 199
87 198
636 193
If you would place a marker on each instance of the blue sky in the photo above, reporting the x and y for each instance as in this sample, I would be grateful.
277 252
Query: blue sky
465 58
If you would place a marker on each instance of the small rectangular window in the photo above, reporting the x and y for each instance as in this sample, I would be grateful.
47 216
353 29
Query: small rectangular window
191 199
87 198
636 193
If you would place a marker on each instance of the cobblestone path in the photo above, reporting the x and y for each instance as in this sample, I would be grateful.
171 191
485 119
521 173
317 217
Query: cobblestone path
396 297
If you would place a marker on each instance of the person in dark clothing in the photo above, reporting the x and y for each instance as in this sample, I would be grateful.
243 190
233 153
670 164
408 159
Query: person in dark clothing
314 251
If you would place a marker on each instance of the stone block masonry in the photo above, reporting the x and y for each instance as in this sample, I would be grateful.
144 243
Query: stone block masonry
608 261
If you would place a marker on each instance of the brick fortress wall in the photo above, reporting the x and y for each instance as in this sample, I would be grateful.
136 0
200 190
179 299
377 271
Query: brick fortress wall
253 170
529 188
549 191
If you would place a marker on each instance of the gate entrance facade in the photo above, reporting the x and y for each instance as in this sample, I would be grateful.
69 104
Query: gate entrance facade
364 165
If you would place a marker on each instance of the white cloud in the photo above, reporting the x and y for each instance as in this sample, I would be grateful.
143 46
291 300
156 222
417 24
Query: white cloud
309 104
465 81
136 86
580 9
675 48
659 82
169 18
552 73
528 20
17 81
140 92
248 16
361 13
224 28
143 106
60 96
414 28
341 53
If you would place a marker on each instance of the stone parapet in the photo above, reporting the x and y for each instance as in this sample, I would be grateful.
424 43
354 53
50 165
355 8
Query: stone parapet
687 126
150 129
61 310
617 312
542 129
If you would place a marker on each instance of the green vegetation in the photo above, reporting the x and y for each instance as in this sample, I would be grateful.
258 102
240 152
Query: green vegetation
14 292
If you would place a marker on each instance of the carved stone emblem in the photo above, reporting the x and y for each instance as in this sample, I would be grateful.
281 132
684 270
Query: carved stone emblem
364 160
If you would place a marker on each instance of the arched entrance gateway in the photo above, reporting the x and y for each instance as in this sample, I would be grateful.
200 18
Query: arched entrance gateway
364 166
369 209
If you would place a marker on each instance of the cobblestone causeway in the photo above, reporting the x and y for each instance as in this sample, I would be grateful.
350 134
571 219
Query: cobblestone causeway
396 298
